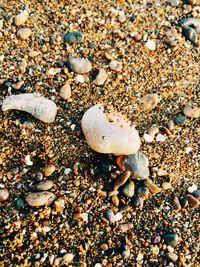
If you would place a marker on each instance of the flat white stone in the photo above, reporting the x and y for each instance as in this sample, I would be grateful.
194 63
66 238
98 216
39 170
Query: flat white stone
109 132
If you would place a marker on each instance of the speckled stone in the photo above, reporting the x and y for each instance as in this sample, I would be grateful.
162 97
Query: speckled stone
40 198
150 101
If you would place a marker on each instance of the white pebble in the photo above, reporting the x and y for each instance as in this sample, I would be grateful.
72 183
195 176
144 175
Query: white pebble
192 188
160 138
67 171
80 78
118 216
148 138
151 45
139 257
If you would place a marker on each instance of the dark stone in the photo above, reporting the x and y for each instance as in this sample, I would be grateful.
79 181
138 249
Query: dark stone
190 34
142 190
73 37
91 45
170 239
20 203
136 201
196 193
6 84
183 201
180 119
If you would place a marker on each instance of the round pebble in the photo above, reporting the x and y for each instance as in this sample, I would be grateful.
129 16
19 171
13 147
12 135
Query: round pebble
176 203
150 101
65 91
171 239
191 112
24 33
21 18
4 195
79 65
101 77
151 45
44 186
172 256
120 180
180 120
129 189
49 170
196 193
115 65
166 186
73 37
40 199
109 132
193 201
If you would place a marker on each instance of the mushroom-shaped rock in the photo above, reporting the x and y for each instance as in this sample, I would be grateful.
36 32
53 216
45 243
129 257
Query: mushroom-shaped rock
109 132
38 106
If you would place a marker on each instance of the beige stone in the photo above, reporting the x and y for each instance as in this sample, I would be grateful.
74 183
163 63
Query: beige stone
24 33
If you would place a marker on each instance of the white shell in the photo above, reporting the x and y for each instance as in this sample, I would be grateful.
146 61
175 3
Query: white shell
109 132
38 106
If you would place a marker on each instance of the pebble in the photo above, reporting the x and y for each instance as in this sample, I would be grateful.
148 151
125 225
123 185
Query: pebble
65 91
189 34
143 191
110 216
33 54
193 201
166 185
151 45
126 252
67 258
22 66
73 37
172 256
52 71
191 112
20 204
17 85
139 256
21 18
125 227
171 239
49 169
180 119
4 195
101 77
176 204
170 125
79 65
115 200
115 65
148 138
192 188
161 172
24 33
109 132
160 138
138 164
137 37
40 198
183 201
129 189
196 193
120 180
44 185
137 201
175 3
153 188
80 78
38 106
150 101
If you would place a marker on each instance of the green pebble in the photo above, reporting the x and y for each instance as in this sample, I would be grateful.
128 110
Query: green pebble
180 119
171 239
73 37
129 189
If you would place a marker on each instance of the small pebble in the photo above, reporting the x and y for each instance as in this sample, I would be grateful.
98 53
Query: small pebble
24 33
40 199
153 188
44 185
49 170
138 164
191 112
166 186
192 188
101 77
125 227
137 201
73 37
79 65
150 101
189 34
115 200
137 37
23 66
180 120
160 138
143 191
151 45
80 78
115 65
183 201
65 91
120 180
67 258
33 54
129 189
139 256
171 239
110 216
196 193
175 3
148 138
170 125
161 172
52 71
153 131
17 85
172 256
176 204
4 195
193 201
21 18
126 252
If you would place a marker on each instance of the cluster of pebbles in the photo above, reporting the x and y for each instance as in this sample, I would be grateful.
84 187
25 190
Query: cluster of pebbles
99 133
